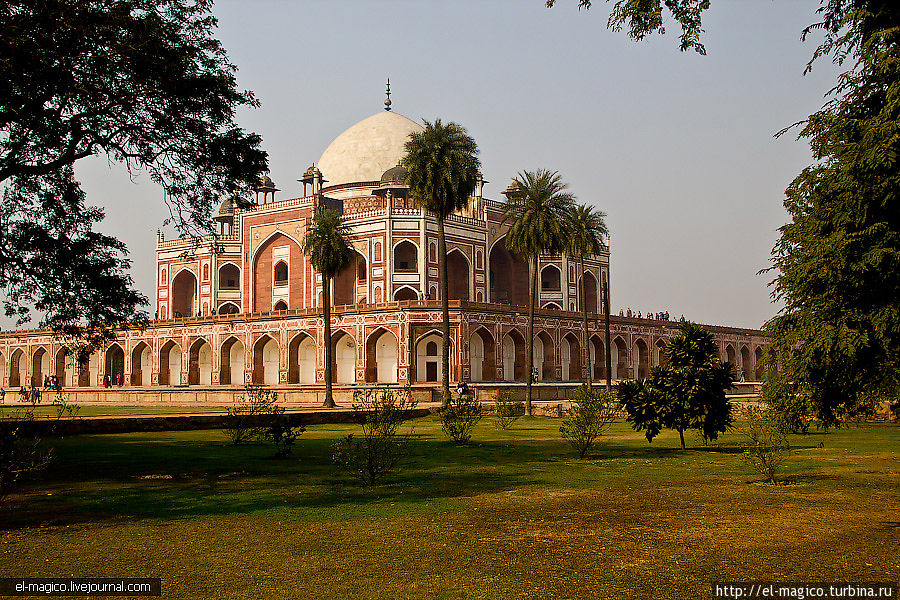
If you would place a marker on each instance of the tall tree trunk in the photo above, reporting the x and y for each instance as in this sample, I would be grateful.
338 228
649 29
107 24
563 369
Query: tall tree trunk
445 309
605 289
326 311
529 338
587 341
681 435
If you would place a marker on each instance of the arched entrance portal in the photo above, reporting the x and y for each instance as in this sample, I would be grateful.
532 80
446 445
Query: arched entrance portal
590 292
641 359
570 358
200 372
141 364
114 365
382 354
184 294
481 356
40 367
619 359
508 276
513 352
344 357
302 359
265 361
231 366
17 368
170 364
457 276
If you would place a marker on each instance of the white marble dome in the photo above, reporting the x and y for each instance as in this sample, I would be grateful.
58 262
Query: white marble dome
366 150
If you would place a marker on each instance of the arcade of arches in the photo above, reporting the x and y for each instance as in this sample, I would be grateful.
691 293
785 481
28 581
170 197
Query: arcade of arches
489 352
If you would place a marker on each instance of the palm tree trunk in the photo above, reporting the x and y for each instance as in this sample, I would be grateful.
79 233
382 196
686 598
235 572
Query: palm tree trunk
606 322
529 338
445 309
326 312
587 342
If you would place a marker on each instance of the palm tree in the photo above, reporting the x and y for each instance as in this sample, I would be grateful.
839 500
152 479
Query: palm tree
442 166
327 244
537 214
587 229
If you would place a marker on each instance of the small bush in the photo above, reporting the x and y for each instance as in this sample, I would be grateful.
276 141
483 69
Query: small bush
508 409
246 416
21 451
377 452
257 418
460 417
766 447
591 412
791 407
283 436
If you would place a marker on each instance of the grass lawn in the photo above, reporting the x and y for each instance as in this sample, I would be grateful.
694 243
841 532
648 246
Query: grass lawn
96 410
514 515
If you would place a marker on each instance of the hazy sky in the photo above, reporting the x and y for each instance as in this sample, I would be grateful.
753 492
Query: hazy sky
677 148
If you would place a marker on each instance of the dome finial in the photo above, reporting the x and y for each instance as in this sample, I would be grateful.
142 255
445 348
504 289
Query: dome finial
387 102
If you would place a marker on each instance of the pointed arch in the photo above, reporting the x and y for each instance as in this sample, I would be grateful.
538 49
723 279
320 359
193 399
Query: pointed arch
114 364
570 358
406 256
482 356
590 293
513 354
302 359
170 363
184 293
141 365
280 306
266 360
343 356
641 357
459 275
731 356
229 308
231 362
229 276
597 357
746 362
17 368
544 356
200 363
759 372
551 279
551 306
3 370
348 286
619 350
382 355
40 366
428 357
405 293
507 275
659 353
278 246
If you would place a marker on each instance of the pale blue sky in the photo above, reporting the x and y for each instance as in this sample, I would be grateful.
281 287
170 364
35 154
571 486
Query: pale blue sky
677 148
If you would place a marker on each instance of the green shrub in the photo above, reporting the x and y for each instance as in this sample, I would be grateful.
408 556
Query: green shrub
508 409
790 405
246 418
460 417
377 452
591 412
766 447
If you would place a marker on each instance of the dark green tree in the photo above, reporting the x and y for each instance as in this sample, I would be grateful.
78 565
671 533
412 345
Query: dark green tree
442 166
838 260
327 243
537 214
688 393
142 82
587 229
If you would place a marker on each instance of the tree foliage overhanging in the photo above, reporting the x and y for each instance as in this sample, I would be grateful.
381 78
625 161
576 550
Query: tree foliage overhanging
838 260
837 263
143 82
